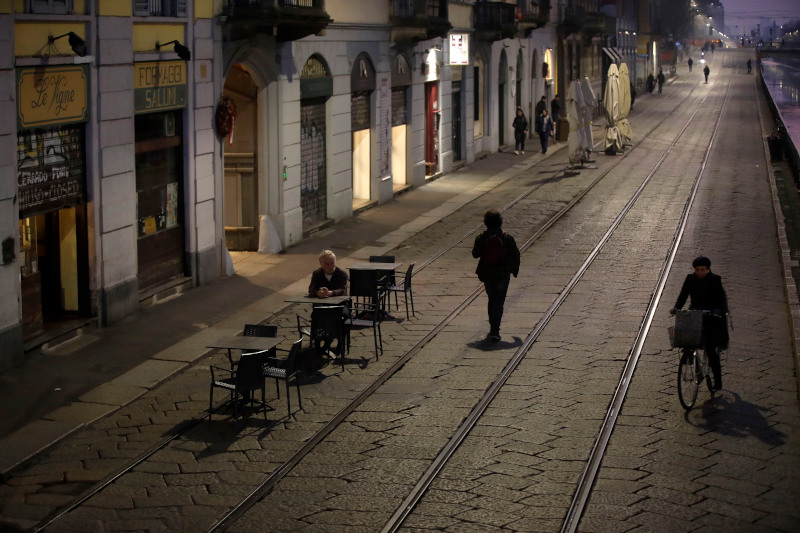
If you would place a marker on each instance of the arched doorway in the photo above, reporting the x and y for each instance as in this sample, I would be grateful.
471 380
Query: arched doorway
239 145
502 80
316 86
401 81
362 86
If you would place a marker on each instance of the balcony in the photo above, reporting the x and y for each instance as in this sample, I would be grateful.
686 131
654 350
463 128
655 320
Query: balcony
286 20
532 14
574 19
494 21
418 20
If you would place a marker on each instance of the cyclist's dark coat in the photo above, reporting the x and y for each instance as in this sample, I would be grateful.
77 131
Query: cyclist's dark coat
706 294
709 295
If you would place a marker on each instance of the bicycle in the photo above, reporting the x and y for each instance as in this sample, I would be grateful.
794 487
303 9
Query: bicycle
693 367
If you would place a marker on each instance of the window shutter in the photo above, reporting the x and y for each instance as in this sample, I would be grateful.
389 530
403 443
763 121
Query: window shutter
141 8
180 8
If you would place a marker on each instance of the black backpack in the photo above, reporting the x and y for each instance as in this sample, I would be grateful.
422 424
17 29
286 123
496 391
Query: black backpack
494 249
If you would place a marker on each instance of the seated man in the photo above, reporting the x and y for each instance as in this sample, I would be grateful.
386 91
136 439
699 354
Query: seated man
328 280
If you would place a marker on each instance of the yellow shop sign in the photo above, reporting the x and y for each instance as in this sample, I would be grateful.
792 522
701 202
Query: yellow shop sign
48 96
159 85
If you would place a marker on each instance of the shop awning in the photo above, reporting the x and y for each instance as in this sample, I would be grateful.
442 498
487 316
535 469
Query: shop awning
614 54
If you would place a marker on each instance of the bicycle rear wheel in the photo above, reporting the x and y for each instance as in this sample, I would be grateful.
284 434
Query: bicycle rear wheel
688 382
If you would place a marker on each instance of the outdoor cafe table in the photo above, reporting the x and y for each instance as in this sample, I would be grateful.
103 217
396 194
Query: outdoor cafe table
380 267
374 266
247 344
306 299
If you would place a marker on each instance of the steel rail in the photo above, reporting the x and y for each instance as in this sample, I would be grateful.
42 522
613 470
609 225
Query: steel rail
416 493
597 453
267 485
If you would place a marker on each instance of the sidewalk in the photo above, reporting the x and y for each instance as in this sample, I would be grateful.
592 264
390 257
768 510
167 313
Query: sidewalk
71 385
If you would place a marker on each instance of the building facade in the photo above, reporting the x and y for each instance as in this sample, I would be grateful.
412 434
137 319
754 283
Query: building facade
153 136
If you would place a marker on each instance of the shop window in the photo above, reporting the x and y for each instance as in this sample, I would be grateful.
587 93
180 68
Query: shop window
49 7
159 8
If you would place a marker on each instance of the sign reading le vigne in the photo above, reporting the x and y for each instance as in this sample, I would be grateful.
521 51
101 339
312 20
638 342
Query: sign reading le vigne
49 96
159 85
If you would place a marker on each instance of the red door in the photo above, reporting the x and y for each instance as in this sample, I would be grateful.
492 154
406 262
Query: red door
431 128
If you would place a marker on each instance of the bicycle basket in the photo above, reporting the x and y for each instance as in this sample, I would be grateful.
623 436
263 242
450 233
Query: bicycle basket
688 330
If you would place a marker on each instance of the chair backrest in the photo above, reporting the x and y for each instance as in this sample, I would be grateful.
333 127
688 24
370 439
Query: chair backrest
327 322
250 371
387 275
292 360
364 283
260 330
407 282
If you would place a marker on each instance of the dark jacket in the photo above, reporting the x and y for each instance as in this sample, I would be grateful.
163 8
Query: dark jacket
544 124
555 108
707 294
520 125
511 259
337 284
541 104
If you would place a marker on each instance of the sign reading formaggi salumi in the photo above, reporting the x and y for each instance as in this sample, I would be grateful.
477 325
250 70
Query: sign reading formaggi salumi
159 85
49 96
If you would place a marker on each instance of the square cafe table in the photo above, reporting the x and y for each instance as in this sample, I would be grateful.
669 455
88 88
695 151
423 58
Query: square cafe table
313 300
247 344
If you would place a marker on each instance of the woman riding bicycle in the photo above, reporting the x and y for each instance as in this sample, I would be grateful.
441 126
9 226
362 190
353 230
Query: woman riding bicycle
707 294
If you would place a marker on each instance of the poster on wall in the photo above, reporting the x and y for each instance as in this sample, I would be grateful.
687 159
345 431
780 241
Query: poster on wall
459 49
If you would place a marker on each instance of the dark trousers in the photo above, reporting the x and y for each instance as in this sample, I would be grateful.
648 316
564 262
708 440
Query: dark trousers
496 291
520 142
715 335
544 138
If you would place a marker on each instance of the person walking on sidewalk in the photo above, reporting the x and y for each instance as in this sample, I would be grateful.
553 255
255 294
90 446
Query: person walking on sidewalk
749 65
660 79
520 125
498 258
690 63
706 72
707 294
544 127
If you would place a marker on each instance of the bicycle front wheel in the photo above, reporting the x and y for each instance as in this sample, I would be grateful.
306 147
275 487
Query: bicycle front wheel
688 382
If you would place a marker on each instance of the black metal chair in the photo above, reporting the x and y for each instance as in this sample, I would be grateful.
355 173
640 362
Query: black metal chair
327 325
286 369
255 330
386 278
241 382
405 288
367 315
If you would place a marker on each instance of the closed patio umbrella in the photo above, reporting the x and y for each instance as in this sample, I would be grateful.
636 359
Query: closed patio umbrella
624 104
613 142
577 155
589 103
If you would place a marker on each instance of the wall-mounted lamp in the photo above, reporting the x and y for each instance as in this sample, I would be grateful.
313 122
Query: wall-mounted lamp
78 45
181 50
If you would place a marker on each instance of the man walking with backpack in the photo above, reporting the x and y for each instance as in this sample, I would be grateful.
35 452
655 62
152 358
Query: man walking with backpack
499 258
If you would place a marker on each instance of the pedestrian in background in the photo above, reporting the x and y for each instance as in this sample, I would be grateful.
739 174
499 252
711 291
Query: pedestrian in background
541 104
660 79
498 258
520 125
651 83
690 62
706 72
544 127
749 65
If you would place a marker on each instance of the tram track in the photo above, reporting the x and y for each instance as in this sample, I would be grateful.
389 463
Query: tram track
271 481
